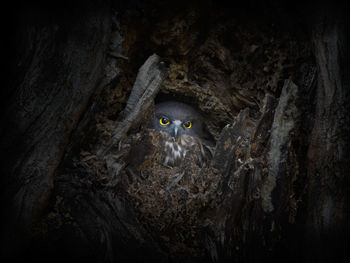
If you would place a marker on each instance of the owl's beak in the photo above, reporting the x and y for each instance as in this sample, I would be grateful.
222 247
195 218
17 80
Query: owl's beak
176 131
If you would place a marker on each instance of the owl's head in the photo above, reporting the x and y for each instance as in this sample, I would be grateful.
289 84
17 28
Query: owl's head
177 118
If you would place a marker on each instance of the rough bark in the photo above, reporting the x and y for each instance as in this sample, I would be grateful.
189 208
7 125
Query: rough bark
328 153
146 87
62 64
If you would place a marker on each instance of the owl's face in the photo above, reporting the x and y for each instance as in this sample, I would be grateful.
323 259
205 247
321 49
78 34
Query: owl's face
177 118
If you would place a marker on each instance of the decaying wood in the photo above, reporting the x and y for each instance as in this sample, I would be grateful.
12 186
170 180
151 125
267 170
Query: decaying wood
146 87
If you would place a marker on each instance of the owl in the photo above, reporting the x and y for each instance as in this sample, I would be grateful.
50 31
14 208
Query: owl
182 130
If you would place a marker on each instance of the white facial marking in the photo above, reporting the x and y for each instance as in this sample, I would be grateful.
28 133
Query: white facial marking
177 122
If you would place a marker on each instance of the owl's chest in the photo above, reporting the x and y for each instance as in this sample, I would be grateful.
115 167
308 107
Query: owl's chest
174 153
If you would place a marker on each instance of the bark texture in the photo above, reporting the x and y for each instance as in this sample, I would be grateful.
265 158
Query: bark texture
84 177
328 153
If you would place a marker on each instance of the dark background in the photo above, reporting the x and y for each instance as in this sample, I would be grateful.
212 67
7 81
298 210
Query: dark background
55 58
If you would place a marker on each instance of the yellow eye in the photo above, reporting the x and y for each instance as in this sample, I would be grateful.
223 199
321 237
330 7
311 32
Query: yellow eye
187 124
164 121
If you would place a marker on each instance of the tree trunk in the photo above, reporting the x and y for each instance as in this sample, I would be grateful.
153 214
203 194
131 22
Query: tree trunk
59 69
272 85
328 152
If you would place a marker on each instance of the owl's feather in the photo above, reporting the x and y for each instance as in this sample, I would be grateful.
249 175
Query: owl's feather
177 137
177 113
176 149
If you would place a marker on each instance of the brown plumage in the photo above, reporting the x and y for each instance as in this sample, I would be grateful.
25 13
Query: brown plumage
182 130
